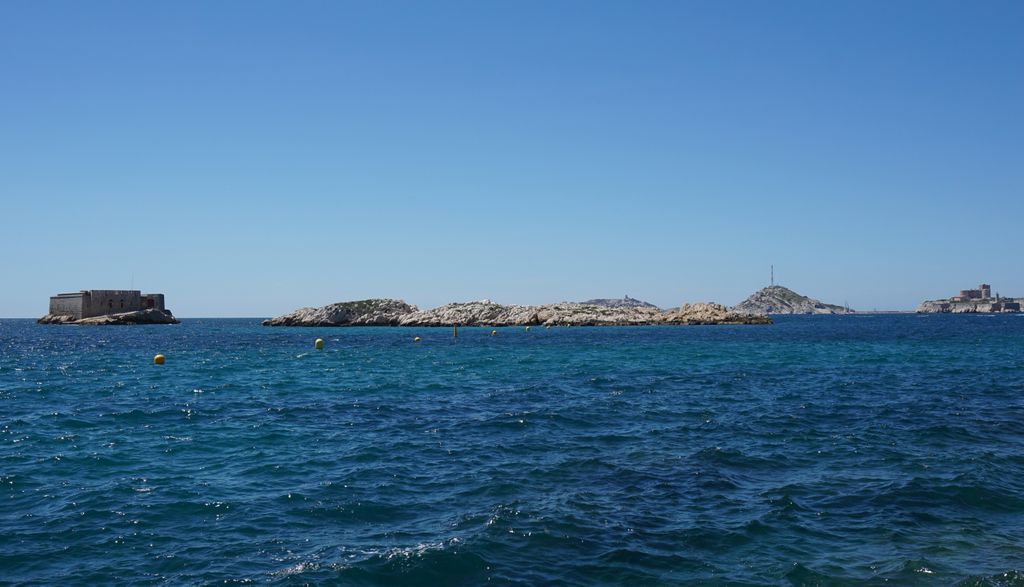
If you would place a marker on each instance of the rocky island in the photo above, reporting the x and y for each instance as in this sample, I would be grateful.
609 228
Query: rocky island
971 301
387 312
776 299
376 312
624 302
108 307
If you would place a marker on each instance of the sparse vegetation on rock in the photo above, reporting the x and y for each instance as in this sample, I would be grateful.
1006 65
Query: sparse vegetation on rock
777 299
488 313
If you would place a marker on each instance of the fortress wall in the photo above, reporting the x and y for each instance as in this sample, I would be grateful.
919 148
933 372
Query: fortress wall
111 301
101 302
156 299
66 305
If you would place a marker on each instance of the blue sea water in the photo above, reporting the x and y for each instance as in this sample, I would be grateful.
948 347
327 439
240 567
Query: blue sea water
816 451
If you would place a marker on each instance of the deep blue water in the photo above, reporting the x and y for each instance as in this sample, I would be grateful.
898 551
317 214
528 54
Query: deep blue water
819 450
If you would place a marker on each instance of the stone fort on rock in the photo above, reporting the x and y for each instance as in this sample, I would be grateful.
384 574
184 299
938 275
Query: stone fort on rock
970 301
102 302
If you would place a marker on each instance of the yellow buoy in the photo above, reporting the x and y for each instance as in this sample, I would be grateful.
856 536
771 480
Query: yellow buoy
417 339
158 360
494 333
319 343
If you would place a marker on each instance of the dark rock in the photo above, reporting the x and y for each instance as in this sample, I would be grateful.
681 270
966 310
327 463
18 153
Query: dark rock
149 316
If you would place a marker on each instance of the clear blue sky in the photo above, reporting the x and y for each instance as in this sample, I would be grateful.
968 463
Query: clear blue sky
247 158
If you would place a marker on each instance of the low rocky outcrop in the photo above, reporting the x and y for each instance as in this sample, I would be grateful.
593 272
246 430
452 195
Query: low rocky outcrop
488 313
378 312
624 302
148 316
574 314
711 313
479 313
777 299
988 306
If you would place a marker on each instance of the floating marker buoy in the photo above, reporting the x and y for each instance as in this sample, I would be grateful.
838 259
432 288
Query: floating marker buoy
527 328
319 344
494 333
158 360
417 339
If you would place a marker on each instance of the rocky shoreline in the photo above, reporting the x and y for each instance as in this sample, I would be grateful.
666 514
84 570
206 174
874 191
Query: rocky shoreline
973 301
148 316
1003 306
390 312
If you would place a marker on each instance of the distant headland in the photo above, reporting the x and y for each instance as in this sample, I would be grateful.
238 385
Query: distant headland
108 306
776 299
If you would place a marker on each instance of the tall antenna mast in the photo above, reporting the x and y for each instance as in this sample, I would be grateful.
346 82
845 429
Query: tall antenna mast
773 275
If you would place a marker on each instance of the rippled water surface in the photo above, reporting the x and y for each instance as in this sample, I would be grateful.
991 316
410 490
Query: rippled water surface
818 450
